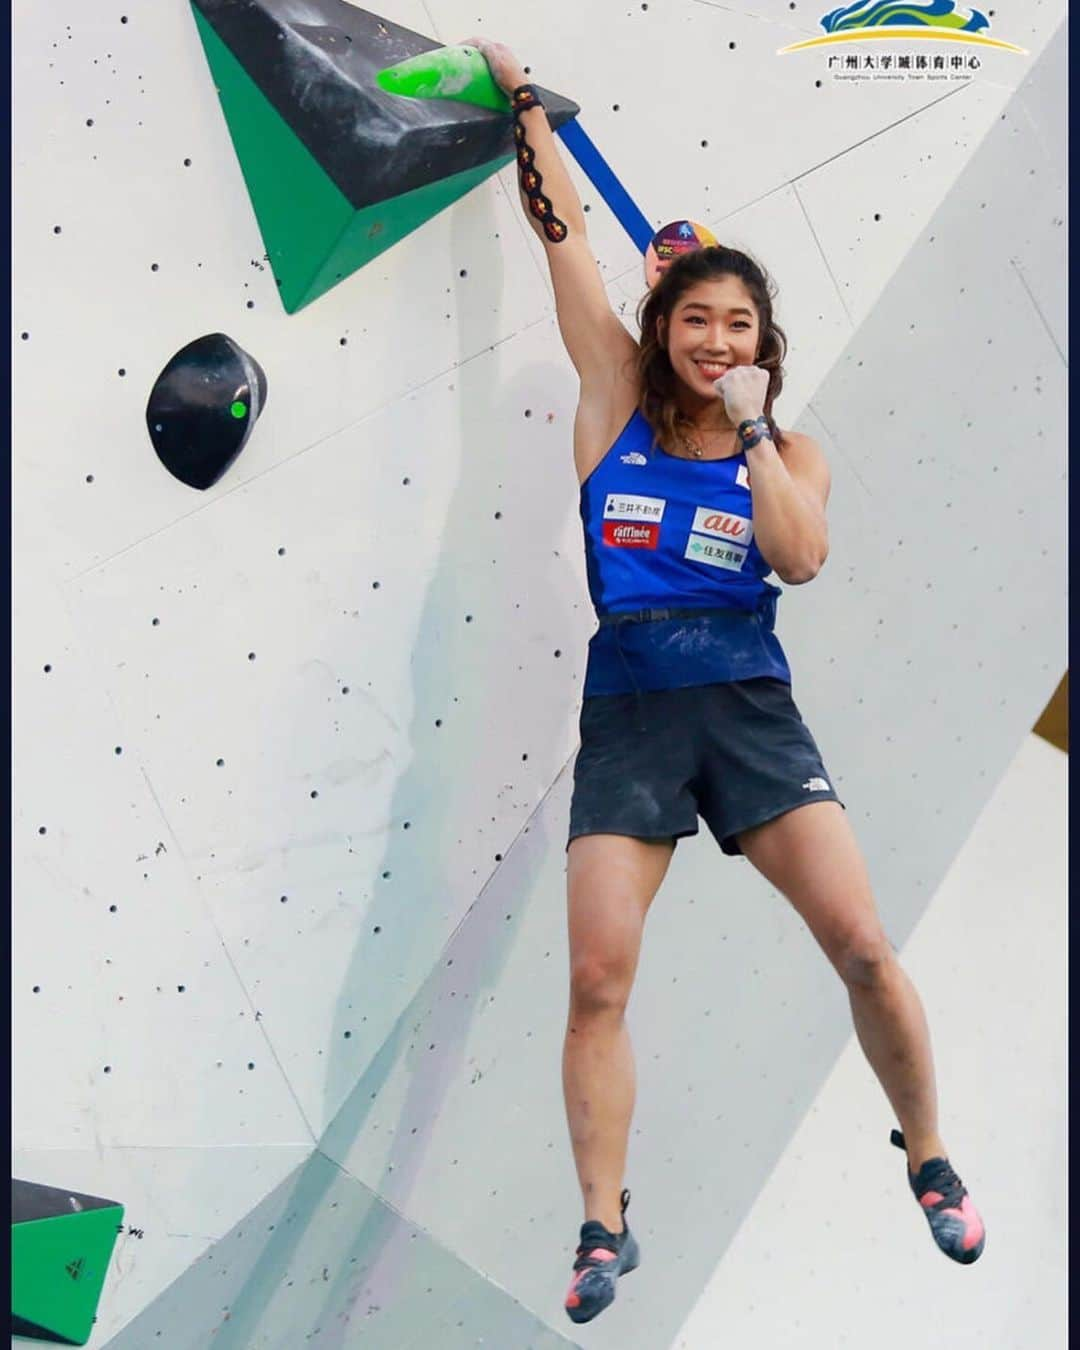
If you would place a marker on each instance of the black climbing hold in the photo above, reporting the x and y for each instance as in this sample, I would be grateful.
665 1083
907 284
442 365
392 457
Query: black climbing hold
202 408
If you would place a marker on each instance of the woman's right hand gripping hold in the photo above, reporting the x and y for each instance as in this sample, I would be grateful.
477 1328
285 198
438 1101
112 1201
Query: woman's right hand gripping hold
602 351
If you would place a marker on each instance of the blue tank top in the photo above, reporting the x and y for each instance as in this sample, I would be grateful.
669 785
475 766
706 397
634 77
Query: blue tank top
664 533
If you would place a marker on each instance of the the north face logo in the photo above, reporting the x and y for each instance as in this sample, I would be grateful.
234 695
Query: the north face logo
634 457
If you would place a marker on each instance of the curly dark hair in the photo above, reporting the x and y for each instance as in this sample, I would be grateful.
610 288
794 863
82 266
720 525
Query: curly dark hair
656 377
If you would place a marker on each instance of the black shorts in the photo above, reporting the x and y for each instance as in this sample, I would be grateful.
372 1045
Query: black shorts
736 754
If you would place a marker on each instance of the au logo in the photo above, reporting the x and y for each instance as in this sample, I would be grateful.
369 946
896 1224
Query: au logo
884 20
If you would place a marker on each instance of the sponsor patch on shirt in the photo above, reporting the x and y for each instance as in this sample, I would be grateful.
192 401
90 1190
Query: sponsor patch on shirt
714 552
742 477
631 534
623 506
723 525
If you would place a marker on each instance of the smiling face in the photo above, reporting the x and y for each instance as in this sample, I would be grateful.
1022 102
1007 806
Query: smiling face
713 326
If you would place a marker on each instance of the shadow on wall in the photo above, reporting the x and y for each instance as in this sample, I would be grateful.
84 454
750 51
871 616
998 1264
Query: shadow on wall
442 654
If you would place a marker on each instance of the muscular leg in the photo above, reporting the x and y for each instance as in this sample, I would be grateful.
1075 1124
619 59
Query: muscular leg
810 855
611 882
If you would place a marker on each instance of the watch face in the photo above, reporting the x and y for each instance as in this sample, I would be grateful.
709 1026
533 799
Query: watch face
670 242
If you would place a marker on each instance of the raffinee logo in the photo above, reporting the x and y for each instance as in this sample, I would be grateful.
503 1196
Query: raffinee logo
892 20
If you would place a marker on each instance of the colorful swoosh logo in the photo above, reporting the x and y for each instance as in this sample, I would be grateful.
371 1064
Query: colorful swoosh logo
891 13
879 20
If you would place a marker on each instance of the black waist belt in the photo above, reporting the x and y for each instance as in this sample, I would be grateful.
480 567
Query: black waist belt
656 615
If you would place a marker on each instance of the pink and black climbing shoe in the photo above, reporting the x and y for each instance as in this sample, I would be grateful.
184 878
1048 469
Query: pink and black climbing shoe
954 1220
602 1256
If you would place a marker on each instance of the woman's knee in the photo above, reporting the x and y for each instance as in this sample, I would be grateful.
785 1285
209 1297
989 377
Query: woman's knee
866 961
600 987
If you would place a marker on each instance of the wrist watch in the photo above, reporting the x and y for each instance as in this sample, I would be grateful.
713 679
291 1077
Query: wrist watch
751 431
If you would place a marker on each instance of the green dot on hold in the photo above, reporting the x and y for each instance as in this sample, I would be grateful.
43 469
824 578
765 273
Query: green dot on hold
239 409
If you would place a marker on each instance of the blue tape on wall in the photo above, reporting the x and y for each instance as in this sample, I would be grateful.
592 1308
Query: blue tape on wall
603 179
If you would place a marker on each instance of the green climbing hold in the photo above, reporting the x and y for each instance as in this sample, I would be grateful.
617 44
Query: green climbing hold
459 73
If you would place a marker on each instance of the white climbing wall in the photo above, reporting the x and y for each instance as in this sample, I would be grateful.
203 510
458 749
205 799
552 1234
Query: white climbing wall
293 755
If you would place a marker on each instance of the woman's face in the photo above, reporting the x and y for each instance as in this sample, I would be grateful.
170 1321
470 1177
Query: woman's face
713 326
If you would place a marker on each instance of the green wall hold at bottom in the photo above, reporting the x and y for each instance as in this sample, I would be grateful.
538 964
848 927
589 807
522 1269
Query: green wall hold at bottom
58 1268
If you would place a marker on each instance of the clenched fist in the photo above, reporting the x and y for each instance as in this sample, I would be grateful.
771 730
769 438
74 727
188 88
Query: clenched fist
743 389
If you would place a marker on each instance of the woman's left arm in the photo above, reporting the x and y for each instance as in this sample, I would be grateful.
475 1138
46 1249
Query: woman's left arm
790 490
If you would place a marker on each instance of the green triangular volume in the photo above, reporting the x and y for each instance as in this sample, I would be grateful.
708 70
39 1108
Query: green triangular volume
338 169
59 1263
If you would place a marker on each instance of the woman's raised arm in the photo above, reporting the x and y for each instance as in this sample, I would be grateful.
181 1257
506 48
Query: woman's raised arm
595 339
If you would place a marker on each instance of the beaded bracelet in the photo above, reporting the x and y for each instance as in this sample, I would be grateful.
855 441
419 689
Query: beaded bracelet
523 98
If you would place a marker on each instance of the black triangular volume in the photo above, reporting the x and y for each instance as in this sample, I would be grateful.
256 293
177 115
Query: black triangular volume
321 78
29 1201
